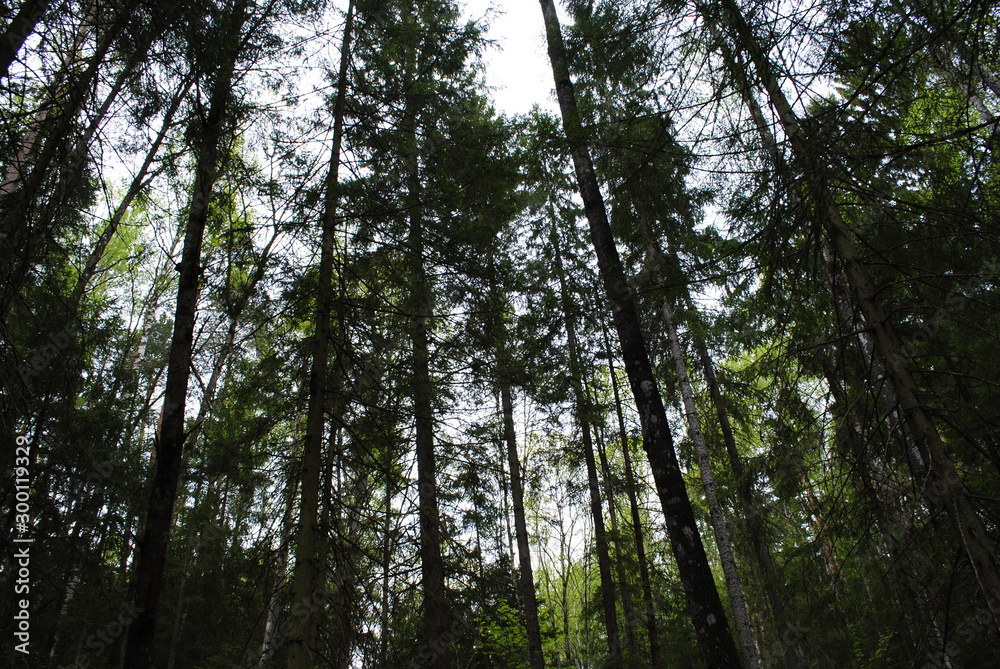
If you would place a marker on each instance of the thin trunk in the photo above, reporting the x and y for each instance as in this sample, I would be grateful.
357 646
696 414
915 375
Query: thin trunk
205 407
343 625
73 577
737 597
435 603
170 437
270 641
175 634
895 529
71 167
437 638
307 591
608 596
139 182
769 573
386 564
875 371
633 500
21 231
535 659
708 616
616 539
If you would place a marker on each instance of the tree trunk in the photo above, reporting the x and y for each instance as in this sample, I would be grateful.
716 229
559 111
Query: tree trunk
769 573
436 608
707 614
270 641
630 486
18 30
175 634
608 596
941 484
387 550
737 597
535 659
307 590
21 231
170 437
623 584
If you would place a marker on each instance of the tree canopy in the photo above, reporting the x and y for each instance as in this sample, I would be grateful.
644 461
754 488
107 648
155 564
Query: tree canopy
312 356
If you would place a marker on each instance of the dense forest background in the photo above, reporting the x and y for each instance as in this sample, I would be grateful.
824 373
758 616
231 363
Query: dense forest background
312 358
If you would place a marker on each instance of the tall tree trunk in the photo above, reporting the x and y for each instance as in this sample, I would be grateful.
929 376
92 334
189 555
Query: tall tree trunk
270 640
306 587
179 612
705 606
387 551
616 540
769 572
435 607
170 437
896 530
583 411
435 603
631 484
22 228
344 546
737 596
535 659
942 484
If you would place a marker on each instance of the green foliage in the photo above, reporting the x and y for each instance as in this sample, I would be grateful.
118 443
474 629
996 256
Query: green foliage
899 102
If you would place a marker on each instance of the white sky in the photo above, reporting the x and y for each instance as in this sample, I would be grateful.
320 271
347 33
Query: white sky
517 68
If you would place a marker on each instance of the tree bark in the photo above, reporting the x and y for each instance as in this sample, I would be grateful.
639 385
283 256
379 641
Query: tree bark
270 642
737 596
615 539
20 233
307 591
18 30
608 595
436 607
535 659
941 484
705 606
170 437
769 573
656 661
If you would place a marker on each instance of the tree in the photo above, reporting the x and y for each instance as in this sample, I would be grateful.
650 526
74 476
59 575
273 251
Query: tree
171 437
706 609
